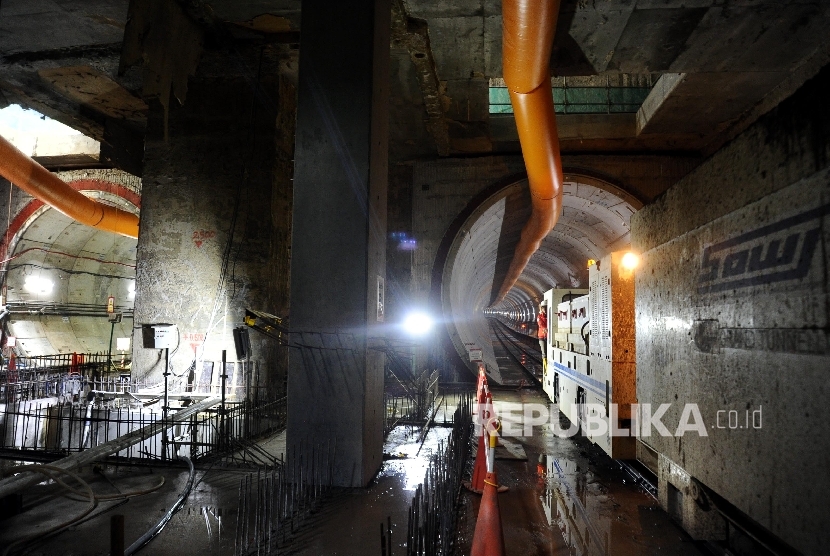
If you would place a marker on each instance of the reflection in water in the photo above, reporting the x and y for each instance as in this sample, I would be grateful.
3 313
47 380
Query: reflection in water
599 511
564 499
409 458
212 516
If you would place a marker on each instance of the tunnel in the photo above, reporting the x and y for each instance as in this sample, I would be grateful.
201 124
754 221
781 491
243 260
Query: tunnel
595 221
272 275
55 266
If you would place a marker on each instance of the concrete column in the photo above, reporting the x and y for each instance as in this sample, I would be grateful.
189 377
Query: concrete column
335 384
205 251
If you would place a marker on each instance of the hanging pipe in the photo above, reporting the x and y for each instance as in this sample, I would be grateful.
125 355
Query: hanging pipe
528 27
42 184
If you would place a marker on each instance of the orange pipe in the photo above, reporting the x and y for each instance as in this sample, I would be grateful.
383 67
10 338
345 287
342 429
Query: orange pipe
528 28
42 184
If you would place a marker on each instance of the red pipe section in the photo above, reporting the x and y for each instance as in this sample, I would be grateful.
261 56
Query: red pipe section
528 27
42 184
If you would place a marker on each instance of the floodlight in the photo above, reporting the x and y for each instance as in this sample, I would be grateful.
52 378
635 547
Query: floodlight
417 324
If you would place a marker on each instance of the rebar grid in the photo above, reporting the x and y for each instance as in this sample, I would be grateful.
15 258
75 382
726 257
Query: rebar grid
275 500
434 511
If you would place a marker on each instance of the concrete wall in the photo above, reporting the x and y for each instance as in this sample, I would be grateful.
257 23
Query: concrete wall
732 315
206 244
468 279
335 385
443 189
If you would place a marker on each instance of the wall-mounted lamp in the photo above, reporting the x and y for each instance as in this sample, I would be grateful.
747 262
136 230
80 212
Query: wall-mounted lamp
38 284
417 324
630 261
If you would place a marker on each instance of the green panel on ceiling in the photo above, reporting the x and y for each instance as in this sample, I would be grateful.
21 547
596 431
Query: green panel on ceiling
580 100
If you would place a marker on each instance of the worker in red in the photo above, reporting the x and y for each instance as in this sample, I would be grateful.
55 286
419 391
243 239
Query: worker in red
542 334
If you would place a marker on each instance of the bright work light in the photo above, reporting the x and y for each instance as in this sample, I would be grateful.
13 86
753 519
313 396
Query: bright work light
417 324
36 284
630 261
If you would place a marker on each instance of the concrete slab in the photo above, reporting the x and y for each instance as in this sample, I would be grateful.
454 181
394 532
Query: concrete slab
510 449
653 38
55 27
96 90
458 46
740 38
737 93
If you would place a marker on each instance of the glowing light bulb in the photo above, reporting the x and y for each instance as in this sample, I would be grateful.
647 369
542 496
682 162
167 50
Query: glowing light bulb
630 261
417 324
38 284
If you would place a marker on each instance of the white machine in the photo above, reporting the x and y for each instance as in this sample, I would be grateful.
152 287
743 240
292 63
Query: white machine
560 330
591 368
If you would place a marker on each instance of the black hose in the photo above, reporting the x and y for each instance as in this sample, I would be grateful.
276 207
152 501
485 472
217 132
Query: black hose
585 337
156 529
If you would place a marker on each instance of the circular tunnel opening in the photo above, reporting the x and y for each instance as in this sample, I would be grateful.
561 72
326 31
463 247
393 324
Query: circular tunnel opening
595 221
58 276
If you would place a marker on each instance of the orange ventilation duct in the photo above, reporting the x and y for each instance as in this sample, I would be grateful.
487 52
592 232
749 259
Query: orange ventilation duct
528 28
40 183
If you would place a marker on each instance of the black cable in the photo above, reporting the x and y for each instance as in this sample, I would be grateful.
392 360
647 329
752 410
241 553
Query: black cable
585 336
156 529
65 271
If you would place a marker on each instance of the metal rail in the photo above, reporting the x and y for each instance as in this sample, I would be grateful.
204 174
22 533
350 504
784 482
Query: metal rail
75 461
506 342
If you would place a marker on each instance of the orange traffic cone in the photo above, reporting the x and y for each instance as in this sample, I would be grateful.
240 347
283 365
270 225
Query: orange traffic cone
480 468
485 414
482 379
488 539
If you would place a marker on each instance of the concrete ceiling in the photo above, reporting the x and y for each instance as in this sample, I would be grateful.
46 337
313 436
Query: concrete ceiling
716 66
29 26
725 63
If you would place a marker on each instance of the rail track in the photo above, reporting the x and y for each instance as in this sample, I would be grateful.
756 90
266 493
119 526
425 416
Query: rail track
523 350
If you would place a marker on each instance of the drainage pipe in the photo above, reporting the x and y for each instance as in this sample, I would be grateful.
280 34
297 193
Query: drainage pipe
528 28
42 184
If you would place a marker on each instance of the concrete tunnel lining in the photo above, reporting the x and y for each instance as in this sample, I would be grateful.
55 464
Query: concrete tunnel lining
84 264
595 221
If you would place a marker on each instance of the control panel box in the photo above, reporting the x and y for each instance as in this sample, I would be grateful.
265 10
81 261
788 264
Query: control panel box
591 368
159 336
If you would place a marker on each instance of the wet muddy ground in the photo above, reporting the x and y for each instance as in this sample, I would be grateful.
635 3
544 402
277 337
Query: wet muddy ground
566 497
569 497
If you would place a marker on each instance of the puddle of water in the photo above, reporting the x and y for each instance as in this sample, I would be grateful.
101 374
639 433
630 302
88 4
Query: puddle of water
571 498
410 456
